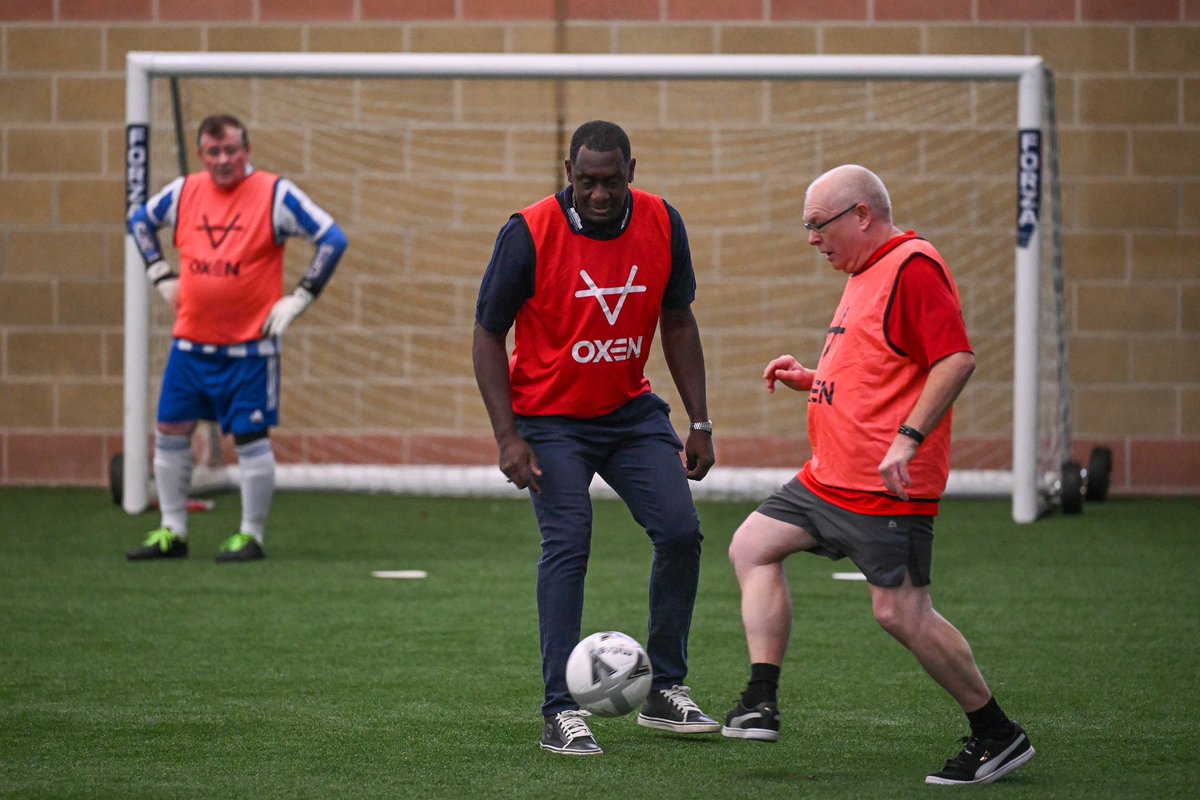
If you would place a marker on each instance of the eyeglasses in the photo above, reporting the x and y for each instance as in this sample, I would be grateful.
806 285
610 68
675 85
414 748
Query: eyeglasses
813 227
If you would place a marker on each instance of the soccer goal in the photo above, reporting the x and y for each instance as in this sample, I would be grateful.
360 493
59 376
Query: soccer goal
422 158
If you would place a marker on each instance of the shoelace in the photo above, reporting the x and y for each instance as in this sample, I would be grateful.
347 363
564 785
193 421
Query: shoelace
573 724
236 542
967 756
678 697
161 538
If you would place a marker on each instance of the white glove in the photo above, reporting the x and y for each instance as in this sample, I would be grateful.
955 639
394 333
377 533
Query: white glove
285 311
169 289
166 281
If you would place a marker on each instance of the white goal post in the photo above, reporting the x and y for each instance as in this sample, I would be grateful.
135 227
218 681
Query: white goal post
1032 480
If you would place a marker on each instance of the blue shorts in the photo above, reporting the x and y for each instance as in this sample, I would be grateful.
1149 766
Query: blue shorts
240 392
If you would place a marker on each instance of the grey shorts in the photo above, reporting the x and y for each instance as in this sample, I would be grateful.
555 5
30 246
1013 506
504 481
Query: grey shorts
883 548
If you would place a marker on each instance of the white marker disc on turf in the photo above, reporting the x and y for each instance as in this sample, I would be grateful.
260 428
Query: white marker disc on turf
399 573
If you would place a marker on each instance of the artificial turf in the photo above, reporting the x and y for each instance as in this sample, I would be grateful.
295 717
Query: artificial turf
302 676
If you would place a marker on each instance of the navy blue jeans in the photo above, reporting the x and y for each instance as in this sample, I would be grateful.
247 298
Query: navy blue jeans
636 451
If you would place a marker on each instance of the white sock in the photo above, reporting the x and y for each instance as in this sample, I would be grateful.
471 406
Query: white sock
173 478
256 464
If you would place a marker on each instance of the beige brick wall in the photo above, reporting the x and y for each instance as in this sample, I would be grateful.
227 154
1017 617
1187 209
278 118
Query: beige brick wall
1128 88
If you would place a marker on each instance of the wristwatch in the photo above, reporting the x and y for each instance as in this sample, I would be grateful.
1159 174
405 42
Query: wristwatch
705 426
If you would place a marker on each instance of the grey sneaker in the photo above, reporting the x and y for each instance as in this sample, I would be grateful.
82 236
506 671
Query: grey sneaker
161 543
674 710
985 760
568 734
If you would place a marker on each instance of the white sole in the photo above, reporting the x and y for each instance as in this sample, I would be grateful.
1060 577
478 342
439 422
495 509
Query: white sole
754 734
559 752
676 727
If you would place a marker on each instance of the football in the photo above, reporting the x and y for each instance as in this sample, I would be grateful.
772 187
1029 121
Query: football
608 674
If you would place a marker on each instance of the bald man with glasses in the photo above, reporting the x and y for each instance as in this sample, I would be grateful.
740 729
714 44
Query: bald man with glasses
895 357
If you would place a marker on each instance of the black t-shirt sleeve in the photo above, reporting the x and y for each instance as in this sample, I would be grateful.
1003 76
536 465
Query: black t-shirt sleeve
508 280
681 287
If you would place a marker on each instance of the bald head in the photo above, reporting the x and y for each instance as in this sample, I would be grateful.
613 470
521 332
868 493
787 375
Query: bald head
851 183
848 215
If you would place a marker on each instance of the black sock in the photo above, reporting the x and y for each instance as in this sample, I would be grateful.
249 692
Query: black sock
763 685
990 722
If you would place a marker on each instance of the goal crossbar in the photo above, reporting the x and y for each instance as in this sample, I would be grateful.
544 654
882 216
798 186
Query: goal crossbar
1028 72
554 66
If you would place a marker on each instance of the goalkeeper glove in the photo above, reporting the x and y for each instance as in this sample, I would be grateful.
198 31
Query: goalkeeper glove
285 311
166 281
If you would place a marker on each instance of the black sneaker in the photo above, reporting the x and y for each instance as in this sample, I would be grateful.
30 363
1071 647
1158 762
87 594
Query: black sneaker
240 547
760 723
985 760
674 710
567 733
162 543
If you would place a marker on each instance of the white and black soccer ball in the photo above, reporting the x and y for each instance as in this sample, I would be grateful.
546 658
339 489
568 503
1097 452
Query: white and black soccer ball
608 674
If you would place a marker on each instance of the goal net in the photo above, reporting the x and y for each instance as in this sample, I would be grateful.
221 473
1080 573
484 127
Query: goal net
422 158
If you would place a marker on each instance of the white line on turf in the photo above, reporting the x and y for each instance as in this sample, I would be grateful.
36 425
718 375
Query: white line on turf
399 573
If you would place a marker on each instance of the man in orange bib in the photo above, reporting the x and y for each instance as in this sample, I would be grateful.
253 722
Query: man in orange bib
896 356
231 223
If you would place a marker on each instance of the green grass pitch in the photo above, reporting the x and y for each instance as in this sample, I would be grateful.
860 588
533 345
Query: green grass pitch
304 677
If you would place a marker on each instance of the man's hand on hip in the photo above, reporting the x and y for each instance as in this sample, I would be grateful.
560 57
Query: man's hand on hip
285 311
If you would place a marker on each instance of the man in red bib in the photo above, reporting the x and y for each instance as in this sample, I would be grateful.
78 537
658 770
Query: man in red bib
895 357
586 276
231 224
